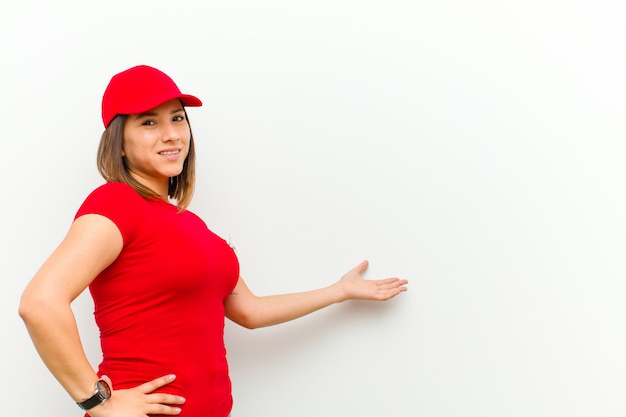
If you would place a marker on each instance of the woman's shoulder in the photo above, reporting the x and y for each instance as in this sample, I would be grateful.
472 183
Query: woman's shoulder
115 193
118 202
115 189
111 197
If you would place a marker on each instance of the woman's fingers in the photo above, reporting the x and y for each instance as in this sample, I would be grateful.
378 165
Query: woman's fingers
162 398
389 288
159 402
156 383
162 409
391 282
362 267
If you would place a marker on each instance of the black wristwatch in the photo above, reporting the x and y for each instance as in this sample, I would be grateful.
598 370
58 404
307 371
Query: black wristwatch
100 395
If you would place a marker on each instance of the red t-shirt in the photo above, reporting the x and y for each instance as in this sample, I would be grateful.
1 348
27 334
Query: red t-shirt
160 305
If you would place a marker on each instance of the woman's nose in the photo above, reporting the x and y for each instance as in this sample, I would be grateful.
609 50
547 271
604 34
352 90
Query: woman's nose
169 133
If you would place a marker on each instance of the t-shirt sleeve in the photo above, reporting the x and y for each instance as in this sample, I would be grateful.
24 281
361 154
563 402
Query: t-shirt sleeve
116 201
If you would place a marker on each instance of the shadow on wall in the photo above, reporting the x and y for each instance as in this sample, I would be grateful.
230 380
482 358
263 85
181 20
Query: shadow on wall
338 329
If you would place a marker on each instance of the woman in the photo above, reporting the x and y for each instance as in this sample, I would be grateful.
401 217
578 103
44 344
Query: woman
161 281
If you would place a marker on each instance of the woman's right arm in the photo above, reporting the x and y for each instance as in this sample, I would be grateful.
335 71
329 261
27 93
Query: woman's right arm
92 243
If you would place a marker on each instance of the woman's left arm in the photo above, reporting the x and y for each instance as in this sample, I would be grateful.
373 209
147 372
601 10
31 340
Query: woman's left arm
250 311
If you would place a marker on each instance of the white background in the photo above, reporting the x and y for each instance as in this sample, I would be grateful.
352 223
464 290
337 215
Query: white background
475 148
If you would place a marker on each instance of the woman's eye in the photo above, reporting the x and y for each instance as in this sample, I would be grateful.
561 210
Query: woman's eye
148 123
179 118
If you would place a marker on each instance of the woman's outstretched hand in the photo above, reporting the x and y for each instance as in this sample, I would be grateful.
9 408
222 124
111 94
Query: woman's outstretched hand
355 287
140 401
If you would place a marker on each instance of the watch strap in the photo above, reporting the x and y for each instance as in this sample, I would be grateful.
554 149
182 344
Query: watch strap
91 402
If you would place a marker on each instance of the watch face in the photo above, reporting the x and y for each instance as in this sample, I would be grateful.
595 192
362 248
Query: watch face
103 390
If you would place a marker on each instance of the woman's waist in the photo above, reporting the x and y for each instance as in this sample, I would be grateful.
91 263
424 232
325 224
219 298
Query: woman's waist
143 367
204 385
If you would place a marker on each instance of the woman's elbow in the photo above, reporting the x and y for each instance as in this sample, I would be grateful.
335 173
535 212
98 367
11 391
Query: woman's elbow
244 320
245 317
34 307
27 309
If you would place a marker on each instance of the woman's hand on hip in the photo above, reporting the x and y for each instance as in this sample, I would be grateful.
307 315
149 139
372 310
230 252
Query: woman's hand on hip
139 401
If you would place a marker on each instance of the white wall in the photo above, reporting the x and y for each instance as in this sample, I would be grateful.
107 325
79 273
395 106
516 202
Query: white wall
475 148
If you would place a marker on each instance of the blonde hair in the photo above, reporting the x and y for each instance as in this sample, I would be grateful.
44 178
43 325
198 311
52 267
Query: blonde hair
112 165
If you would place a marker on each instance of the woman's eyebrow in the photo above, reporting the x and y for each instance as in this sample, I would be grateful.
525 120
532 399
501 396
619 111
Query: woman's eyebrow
152 113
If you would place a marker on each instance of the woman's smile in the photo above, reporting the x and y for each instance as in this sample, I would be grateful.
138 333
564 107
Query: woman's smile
170 154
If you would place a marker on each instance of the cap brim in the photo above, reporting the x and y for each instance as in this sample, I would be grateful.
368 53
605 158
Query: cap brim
190 101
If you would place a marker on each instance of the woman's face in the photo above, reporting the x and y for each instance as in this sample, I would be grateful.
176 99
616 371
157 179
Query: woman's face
156 144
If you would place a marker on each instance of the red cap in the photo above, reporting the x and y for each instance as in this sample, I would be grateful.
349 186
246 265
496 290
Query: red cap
139 89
